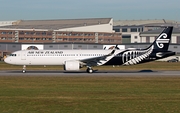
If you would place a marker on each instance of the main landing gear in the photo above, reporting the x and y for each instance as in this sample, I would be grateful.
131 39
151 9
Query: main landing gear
89 70
24 69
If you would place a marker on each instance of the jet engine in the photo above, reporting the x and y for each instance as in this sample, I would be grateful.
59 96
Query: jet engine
71 65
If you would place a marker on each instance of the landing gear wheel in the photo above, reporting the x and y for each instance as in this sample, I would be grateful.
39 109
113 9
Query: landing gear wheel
89 70
24 69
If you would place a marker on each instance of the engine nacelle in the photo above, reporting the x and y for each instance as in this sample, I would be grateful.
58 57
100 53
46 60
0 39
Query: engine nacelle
71 65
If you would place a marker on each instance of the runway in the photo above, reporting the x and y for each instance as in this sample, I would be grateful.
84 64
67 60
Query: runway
83 73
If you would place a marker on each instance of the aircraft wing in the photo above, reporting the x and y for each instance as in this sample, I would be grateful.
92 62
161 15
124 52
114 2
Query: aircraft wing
100 60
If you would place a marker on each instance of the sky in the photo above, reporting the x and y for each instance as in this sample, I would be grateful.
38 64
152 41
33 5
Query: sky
75 9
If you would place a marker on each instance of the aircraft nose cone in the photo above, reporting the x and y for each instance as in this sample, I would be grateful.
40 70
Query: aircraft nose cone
7 60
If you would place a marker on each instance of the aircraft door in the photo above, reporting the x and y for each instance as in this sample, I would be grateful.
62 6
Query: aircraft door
23 55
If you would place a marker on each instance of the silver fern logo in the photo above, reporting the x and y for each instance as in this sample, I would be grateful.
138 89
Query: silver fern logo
136 56
161 40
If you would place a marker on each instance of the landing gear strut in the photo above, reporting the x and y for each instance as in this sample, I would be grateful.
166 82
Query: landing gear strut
24 69
89 70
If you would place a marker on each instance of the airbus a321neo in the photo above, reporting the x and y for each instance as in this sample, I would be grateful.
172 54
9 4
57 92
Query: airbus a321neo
75 59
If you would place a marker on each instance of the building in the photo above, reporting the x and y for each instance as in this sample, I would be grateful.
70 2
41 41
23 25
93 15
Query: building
130 34
6 23
144 31
149 36
95 30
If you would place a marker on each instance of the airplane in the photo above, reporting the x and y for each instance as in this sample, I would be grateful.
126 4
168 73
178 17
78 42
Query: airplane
73 60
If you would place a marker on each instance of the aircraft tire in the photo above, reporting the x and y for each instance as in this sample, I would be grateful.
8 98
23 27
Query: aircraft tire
24 71
89 70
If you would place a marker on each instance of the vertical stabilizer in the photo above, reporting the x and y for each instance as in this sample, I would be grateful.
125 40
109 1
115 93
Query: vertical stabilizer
163 40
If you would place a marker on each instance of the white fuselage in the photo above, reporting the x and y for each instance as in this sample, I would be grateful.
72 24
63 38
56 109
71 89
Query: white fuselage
52 57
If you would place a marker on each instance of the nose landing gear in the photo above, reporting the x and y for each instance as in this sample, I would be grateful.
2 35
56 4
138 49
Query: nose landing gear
24 69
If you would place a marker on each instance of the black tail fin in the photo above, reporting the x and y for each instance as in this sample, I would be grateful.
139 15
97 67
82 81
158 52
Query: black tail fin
157 50
162 41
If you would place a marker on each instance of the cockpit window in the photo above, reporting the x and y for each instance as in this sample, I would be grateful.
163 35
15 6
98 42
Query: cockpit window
12 54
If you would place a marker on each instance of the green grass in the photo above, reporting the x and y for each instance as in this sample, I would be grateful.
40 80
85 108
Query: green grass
89 94
53 94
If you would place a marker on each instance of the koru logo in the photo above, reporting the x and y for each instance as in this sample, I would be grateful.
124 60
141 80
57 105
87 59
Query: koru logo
161 40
